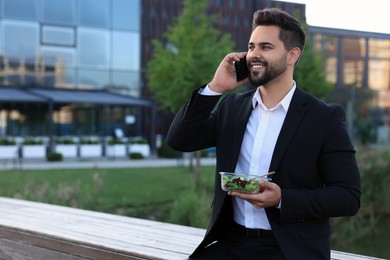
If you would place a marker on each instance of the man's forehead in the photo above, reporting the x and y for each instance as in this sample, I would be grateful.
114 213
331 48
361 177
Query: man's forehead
265 34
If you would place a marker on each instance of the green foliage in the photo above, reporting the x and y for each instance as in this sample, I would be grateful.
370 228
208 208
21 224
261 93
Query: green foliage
89 141
188 57
65 141
310 70
107 190
164 151
193 206
191 209
136 156
32 141
115 141
139 141
5 141
374 167
54 157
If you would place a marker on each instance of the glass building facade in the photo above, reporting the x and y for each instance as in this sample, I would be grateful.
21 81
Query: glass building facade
71 44
358 65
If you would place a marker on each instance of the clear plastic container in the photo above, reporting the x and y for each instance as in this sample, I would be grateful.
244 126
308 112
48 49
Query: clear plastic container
241 182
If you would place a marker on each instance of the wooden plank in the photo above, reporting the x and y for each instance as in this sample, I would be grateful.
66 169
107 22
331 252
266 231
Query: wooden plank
12 250
132 236
337 255
79 234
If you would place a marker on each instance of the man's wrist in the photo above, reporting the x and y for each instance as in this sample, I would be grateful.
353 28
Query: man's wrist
208 91
212 87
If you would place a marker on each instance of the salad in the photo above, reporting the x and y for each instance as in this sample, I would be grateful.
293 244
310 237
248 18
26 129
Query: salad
231 182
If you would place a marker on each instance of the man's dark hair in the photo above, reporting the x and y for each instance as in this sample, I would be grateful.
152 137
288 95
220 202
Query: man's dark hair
291 32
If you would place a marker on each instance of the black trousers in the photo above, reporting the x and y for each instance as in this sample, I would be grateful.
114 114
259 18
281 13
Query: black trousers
239 244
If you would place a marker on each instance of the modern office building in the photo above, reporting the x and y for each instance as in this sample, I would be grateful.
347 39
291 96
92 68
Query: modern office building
70 67
358 65
74 67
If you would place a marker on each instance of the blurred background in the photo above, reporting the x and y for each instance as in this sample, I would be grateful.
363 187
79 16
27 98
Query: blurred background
100 79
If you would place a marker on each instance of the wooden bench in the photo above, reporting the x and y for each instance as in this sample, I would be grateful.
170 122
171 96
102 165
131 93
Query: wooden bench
31 230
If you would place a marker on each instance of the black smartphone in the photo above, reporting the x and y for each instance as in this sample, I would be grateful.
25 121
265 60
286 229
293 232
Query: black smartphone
241 69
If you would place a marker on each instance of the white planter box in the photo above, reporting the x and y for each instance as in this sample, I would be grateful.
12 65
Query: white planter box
34 151
116 150
143 149
67 150
91 150
8 151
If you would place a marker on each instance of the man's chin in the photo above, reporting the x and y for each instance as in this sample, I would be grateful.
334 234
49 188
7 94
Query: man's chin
255 82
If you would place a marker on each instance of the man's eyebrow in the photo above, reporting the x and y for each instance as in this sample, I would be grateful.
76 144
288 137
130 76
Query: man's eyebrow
260 43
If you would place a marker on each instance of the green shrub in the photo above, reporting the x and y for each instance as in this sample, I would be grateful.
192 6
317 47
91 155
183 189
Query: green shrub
88 141
139 141
32 142
136 156
164 151
54 157
192 208
374 168
65 141
6 141
115 141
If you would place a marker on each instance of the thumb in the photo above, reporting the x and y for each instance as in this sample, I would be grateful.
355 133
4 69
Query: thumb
265 185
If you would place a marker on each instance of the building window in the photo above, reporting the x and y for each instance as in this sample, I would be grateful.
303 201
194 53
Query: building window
126 82
93 79
378 71
354 47
20 9
330 44
55 35
126 51
22 41
59 11
379 48
94 13
93 48
126 14
331 69
353 72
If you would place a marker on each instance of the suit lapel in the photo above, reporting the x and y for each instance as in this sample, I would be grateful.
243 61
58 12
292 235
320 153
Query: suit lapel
239 129
295 114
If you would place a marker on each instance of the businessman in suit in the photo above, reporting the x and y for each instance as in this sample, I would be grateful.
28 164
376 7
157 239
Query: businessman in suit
275 127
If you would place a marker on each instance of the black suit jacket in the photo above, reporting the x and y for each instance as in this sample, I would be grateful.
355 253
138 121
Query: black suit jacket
314 161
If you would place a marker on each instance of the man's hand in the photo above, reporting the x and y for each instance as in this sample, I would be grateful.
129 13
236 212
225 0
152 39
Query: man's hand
270 197
224 78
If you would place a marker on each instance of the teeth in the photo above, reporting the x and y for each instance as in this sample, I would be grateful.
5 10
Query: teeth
258 66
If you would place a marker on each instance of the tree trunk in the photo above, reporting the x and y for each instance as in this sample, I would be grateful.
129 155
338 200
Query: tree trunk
191 162
197 170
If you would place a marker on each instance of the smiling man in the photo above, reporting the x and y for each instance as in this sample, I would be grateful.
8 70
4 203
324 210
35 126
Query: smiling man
275 127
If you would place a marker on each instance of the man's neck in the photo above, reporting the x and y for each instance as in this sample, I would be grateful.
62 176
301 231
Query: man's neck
272 94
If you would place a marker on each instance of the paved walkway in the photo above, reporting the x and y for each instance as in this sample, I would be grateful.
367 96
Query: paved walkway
98 163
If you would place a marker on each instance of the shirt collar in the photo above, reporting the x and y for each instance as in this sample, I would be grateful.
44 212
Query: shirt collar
285 102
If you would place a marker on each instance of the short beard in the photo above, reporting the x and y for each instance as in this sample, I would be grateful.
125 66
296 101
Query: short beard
271 72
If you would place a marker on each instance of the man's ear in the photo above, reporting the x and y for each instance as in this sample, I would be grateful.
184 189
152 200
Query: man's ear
294 55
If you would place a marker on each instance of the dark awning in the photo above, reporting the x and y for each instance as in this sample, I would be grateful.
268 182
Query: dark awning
17 95
68 96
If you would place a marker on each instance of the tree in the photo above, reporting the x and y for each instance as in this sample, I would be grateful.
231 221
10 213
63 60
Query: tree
310 70
187 58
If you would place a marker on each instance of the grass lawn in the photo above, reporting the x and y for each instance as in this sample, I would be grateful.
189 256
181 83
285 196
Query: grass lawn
107 190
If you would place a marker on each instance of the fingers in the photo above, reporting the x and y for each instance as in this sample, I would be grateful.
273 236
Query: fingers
235 56
270 197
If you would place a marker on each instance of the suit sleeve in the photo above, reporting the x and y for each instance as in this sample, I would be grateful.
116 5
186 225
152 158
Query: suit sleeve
193 127
337 167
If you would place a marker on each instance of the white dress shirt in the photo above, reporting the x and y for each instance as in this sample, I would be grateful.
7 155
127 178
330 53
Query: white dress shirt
257 147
